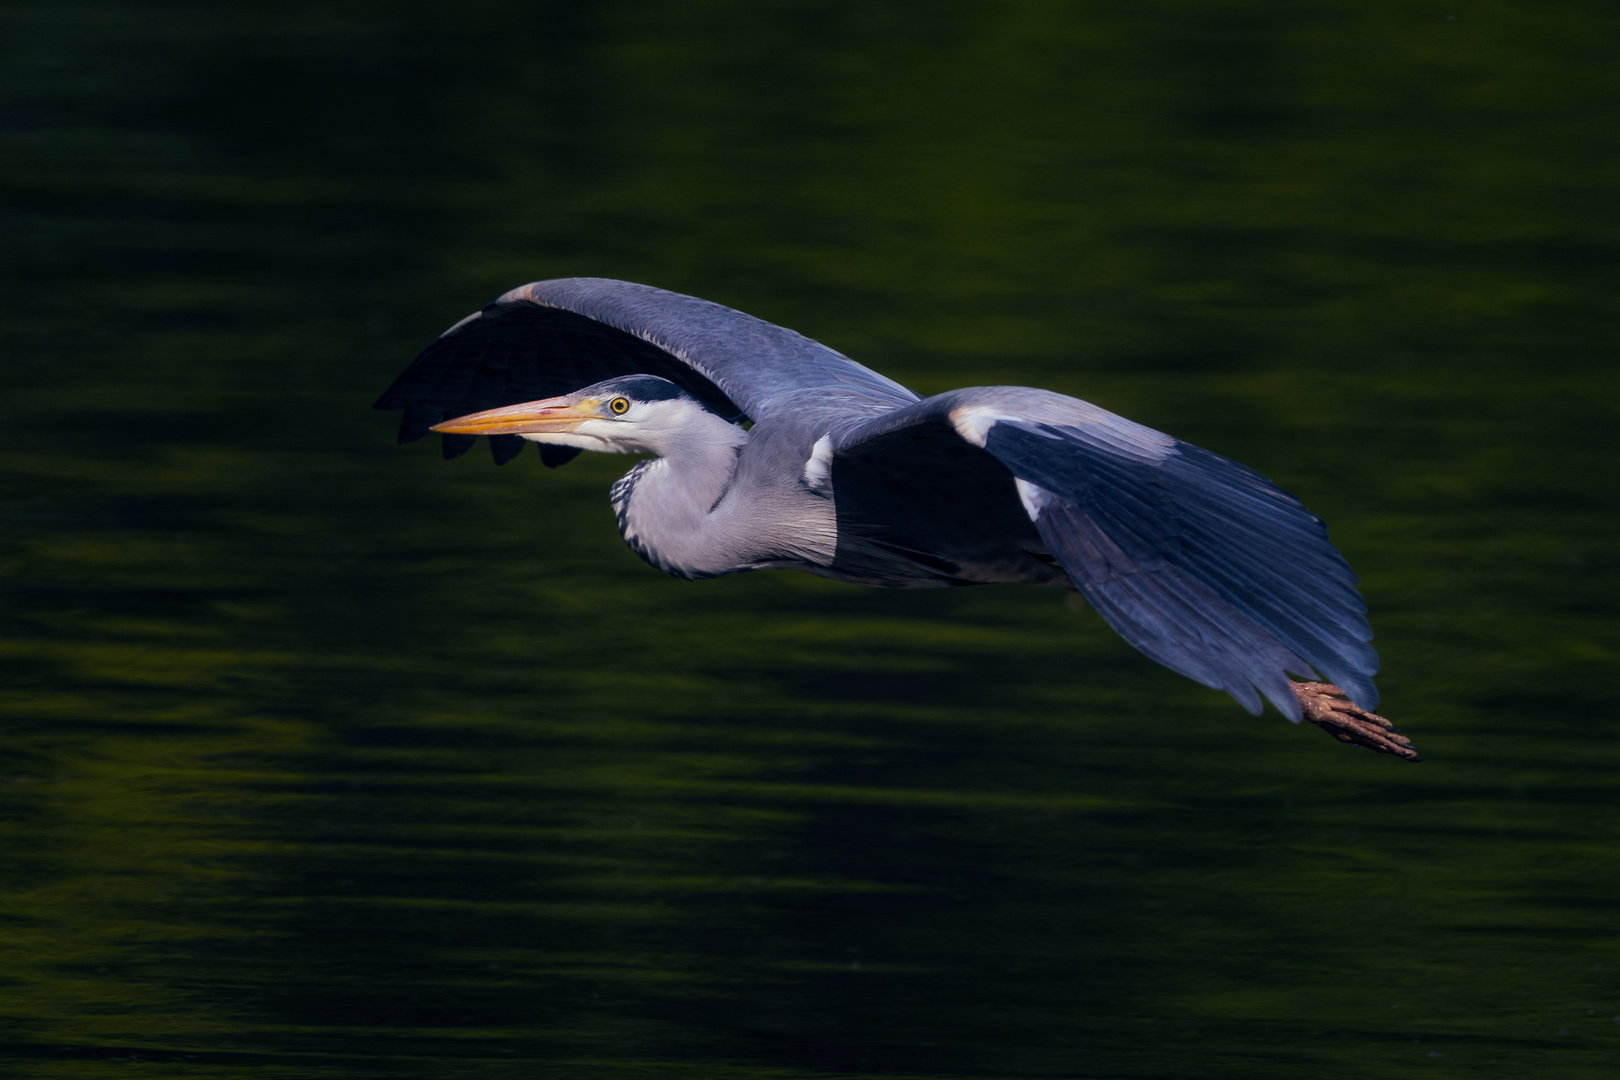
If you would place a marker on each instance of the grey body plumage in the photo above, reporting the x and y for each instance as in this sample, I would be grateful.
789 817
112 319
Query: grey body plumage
1198 561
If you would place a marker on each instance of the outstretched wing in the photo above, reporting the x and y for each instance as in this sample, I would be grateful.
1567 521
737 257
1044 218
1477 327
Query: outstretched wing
1201 563
554 337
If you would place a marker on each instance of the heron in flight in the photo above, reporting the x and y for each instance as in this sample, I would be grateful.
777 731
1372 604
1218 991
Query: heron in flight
770 450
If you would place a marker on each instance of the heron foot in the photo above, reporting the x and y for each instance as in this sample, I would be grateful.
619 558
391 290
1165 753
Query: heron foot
1331 709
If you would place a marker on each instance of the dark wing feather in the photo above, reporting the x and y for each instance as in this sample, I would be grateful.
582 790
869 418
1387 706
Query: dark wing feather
516 351
504 448
1200 562
555 456
453 446
756 364
931 504
554 337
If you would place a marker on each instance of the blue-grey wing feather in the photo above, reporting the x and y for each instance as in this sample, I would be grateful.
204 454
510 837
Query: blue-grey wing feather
1200 562
554 337
519 351
754 362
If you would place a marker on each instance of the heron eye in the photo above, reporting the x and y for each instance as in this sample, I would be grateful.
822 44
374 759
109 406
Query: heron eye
619 405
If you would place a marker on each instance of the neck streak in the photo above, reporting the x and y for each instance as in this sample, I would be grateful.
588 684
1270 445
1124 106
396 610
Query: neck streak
667 506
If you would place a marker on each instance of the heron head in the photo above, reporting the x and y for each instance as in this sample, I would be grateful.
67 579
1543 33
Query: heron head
628 414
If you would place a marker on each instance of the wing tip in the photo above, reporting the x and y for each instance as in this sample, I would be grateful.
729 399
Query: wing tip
453 446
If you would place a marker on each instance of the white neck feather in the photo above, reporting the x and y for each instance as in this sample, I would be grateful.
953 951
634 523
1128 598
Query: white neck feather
667 506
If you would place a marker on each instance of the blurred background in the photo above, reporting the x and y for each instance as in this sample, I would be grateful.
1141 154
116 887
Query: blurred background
321 757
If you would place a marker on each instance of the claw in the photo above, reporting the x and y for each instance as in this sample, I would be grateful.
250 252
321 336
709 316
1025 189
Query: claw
1331 709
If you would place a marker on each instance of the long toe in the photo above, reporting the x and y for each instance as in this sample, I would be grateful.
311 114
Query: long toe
1331 709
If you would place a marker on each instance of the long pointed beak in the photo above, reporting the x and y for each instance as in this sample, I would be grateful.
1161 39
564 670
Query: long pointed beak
552 414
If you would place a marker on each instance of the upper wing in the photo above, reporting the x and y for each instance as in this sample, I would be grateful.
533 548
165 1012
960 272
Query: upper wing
1200 562
553 337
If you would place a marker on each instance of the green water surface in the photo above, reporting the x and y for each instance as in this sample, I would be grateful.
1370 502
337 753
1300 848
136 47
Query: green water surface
321 757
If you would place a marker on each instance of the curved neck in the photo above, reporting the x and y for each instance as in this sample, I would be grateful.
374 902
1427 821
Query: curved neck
666 506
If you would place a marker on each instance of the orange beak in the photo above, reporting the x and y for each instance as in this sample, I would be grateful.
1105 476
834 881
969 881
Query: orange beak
552 414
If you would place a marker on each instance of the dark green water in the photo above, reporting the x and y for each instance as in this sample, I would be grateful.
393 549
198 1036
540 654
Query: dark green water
326 758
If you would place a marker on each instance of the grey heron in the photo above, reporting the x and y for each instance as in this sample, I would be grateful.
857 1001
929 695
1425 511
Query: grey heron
770 450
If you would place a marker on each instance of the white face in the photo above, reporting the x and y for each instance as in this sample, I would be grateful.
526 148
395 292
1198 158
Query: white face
620 425
607 423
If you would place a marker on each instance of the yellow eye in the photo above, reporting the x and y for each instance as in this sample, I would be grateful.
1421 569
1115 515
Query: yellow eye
619 405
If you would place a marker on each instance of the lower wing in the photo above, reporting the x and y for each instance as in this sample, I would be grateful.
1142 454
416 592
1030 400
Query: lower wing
1199 562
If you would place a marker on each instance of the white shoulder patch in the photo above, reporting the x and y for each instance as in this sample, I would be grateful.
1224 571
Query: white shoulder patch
1065 417
1033 497
973 422
818 469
